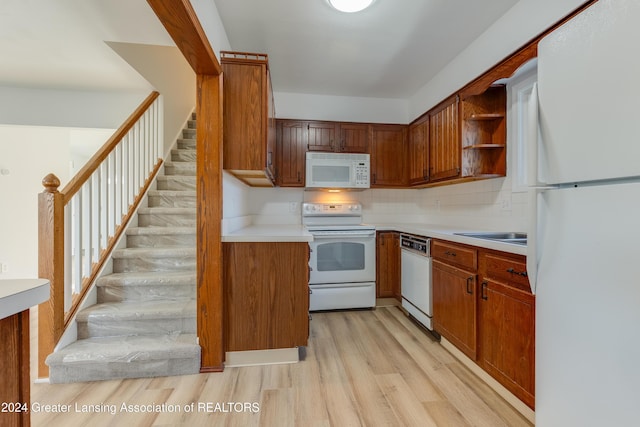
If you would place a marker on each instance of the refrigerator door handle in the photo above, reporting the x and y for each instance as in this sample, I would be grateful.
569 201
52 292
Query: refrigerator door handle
535 188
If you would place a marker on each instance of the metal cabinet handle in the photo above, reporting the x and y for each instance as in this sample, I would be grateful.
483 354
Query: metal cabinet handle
519 273
469 282
450 253
483 294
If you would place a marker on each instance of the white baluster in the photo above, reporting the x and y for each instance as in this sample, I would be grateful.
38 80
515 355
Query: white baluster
86 227
95 216
68 278
76 242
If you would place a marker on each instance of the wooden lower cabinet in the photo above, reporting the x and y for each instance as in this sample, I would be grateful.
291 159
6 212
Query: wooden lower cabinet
14 365
488 313
388 265
454 306
266 295
506 325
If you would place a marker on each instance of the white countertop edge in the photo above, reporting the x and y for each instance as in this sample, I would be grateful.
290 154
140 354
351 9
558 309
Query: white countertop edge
448 233
17 295
297 233
269 233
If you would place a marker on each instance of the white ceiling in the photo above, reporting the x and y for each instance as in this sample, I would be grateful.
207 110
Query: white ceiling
387 51
59 44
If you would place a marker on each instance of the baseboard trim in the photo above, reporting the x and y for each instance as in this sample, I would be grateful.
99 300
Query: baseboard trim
211 369
518 405
262 357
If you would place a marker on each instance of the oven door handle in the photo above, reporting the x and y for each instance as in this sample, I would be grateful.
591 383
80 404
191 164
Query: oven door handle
331 235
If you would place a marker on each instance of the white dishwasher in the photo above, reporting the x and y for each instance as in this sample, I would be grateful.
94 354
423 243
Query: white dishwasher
416 278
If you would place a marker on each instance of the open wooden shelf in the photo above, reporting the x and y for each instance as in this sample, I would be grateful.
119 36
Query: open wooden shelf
484 134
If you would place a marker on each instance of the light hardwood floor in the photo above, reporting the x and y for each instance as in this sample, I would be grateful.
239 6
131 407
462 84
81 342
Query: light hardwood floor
362 368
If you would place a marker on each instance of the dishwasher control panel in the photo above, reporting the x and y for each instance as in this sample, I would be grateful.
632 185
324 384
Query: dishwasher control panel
421 245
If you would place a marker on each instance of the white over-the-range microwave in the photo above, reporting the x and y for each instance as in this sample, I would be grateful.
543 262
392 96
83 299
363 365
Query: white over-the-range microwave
337 170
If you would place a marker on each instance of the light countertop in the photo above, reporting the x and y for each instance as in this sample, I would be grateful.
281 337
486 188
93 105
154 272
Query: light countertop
448 233
269 233
18 295
297 233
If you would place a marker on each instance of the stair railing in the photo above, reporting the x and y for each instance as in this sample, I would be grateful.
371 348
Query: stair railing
80 225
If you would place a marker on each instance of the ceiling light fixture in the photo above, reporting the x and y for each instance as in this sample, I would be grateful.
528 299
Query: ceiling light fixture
350 6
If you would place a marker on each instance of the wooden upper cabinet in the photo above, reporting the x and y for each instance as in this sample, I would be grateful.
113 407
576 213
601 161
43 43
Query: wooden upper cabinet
354 138
322 136
338 137
444 141
388 155
418 151
292 148
249 118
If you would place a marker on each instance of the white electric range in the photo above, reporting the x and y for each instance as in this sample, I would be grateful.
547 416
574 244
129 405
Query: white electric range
343 256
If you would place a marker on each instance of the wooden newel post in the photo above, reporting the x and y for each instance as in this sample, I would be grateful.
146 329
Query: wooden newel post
51 267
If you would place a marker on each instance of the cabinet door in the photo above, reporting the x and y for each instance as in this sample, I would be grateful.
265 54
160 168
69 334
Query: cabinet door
454 306
507 337
388 265
354 138
323 136
271 130
388 155
245 116
292 146
266 295
444 141
418 152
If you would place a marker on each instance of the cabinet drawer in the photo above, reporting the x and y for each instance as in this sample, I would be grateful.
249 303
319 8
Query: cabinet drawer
454 254
505 269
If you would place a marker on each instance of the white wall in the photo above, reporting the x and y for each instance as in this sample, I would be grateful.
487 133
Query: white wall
521 23
29 154
209 18
485 205
67 108
341 108
170 74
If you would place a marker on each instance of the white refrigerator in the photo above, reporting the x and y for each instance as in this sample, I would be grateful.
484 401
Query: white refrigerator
584 252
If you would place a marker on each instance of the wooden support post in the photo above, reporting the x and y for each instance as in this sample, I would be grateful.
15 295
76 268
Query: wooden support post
50 267
209 175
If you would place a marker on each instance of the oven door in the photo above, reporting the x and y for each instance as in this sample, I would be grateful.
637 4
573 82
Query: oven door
343 257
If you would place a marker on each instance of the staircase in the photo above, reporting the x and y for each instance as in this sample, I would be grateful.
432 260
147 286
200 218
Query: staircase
144 324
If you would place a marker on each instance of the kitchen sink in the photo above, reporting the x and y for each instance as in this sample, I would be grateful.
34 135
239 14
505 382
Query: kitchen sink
501 236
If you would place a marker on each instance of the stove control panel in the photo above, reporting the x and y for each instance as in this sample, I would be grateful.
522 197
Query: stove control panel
333 209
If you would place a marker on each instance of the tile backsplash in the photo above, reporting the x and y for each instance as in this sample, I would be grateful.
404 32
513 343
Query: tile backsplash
489 204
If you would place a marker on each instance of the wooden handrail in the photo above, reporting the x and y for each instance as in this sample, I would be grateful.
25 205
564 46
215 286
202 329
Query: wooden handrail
93 163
